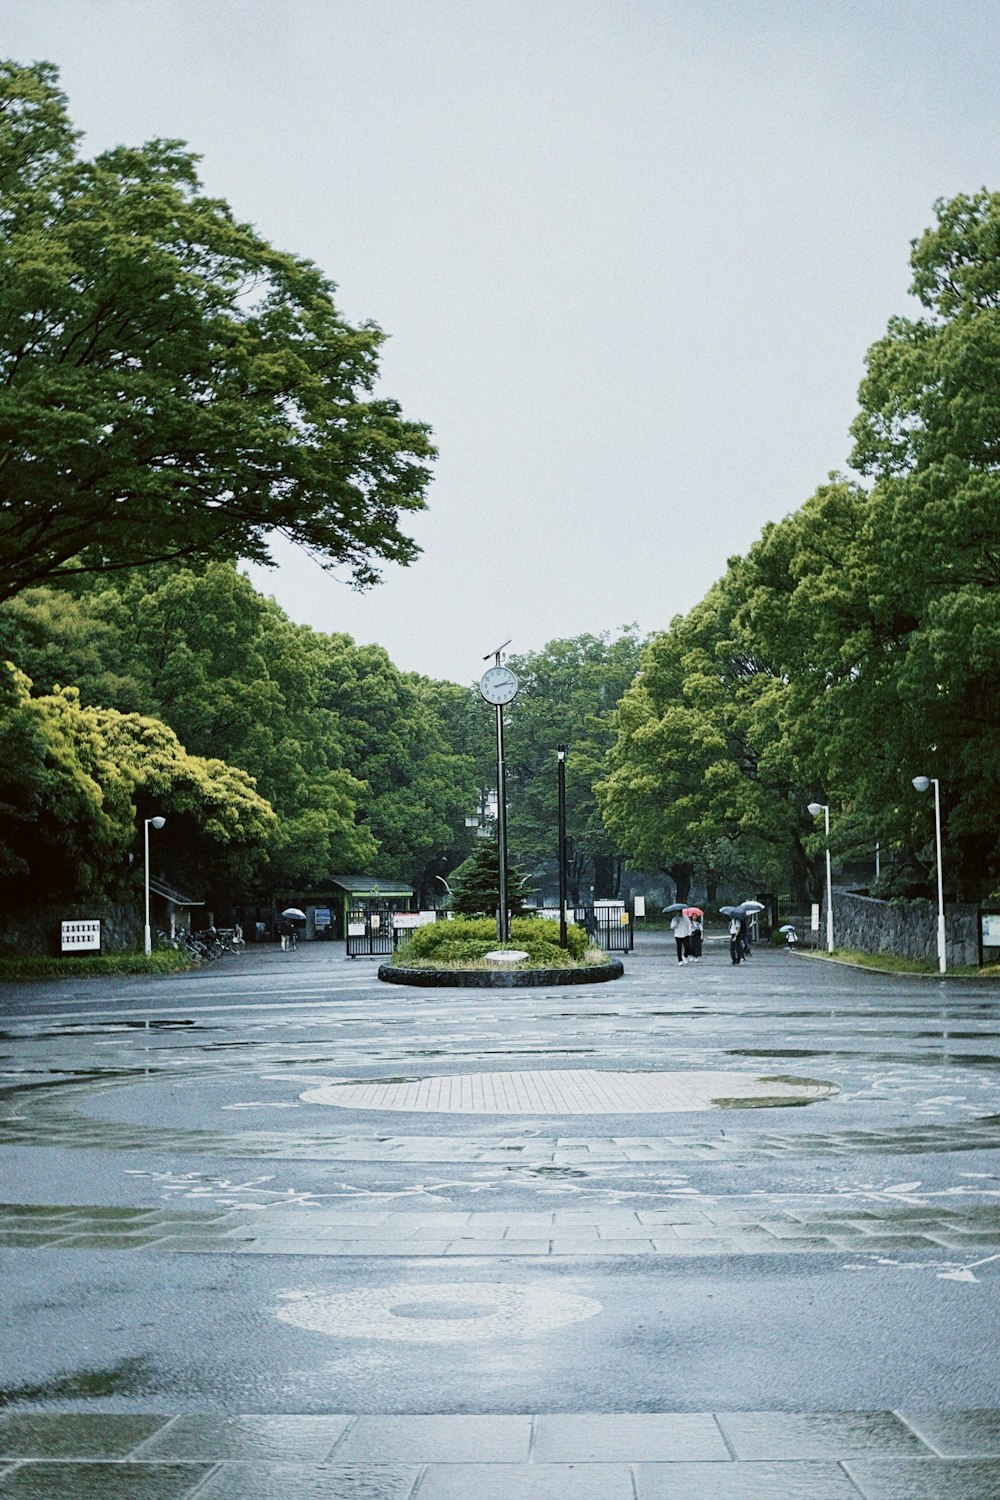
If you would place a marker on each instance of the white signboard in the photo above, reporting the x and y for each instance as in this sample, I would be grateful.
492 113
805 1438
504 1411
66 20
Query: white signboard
814 918
81 937
404 919
991 930
640 906
355 929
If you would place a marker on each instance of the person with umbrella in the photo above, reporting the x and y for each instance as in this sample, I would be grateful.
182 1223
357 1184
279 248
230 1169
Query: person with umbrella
739 943
287 930
681 927
696 916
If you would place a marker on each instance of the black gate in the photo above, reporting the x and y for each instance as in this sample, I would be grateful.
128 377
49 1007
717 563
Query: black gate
369 931
610 926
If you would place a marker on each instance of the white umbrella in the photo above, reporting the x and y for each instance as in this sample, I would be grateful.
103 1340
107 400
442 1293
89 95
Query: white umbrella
293 914
751 907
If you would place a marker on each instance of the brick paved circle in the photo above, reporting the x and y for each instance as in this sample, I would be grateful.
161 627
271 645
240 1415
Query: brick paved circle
567 1091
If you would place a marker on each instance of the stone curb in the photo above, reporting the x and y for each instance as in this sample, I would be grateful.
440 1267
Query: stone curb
846 963
495 979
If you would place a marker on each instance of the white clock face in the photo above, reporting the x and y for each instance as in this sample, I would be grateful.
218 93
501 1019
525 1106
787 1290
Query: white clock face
498 685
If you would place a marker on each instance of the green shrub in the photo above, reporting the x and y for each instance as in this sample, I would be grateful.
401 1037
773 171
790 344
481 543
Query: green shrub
467 940
79 966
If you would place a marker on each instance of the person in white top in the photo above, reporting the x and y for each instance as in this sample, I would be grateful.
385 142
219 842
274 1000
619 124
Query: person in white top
682 931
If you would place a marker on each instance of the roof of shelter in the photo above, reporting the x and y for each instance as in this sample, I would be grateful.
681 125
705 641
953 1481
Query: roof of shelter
370 885
170 893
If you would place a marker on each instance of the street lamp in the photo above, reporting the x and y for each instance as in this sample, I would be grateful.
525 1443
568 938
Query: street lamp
561 792
156 823
816 808
923 784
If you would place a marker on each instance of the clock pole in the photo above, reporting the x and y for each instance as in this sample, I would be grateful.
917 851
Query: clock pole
503 695
503 918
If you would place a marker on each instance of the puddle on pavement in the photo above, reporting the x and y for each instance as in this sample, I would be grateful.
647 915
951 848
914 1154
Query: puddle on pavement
127 1378
774 1052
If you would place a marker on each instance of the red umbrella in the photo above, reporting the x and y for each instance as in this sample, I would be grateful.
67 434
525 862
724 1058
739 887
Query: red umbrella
693 911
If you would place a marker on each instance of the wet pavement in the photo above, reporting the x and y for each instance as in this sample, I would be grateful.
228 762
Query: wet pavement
702 1232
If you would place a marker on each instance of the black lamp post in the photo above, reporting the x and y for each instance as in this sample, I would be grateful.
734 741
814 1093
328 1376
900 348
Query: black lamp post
561 769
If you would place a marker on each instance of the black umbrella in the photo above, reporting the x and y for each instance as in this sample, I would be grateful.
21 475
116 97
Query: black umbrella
731 911
677 906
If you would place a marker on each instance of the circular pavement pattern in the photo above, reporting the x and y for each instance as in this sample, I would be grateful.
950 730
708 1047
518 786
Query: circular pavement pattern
570 1091
439 1314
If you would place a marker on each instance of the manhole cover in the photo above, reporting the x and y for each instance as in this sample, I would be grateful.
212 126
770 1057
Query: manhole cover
570 1091
439 1313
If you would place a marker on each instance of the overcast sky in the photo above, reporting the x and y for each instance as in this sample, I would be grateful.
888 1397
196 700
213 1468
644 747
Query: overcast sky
629 253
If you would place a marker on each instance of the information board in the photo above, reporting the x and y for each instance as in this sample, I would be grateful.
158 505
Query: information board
81 937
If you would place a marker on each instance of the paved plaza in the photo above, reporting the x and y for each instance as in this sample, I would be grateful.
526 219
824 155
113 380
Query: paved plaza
275 1228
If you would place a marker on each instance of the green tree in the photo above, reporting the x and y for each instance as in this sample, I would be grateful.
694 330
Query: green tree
357 758
697 783
567 694
76 783
171 386
65 813
476 883
419 787
218 826
929 433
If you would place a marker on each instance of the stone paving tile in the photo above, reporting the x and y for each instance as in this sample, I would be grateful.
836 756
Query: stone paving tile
198 1435
233 1481
926 1479
565 1245
504 1247
812 1435
629 1437
528 1482
957 1434
436 1439
102 1481
760 1481
74 1434
710 1229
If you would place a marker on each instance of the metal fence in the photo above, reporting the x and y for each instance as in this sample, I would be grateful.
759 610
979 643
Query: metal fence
369 931
608 924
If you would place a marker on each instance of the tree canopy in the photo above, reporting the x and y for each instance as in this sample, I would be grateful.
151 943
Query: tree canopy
172 387
856 645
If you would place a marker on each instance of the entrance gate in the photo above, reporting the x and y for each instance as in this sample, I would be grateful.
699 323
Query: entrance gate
369 931
610 923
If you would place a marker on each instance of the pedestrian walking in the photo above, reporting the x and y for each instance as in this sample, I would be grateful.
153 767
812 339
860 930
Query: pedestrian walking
694 941
285 933
737 938
681 926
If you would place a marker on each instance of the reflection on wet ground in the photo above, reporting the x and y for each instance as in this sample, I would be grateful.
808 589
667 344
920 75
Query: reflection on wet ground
156 1145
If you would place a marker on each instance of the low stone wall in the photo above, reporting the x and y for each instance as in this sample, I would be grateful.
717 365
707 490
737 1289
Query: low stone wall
38 931
500 979
905 928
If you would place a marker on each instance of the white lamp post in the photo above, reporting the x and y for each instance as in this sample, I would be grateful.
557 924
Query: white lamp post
156 823
816 808
921 784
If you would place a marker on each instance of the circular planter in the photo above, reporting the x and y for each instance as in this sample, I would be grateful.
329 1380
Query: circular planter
495 979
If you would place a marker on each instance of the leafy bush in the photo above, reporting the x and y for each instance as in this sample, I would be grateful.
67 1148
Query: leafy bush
80 966
465 942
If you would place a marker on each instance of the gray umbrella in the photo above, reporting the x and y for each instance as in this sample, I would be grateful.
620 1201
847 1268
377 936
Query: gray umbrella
677 906
732 911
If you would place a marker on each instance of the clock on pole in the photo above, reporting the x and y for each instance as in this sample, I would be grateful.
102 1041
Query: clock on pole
498 685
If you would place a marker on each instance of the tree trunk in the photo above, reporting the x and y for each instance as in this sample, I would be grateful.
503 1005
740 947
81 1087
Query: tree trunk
681 874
